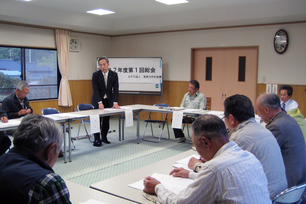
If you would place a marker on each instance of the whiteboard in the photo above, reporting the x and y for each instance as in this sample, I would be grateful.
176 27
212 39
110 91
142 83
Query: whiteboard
137 74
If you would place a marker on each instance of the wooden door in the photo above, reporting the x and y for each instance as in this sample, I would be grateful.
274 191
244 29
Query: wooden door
218 71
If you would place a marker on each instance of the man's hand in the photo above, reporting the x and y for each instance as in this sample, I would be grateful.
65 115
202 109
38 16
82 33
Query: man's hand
149 185
101 106
4 119
28 111
23 112
192 162
179 172
116 106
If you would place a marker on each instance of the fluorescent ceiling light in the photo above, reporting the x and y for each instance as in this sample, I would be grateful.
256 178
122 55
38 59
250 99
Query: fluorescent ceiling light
100 12
171 2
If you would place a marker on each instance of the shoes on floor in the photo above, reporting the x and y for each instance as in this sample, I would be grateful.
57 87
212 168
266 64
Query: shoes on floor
106 141
181 140
97 143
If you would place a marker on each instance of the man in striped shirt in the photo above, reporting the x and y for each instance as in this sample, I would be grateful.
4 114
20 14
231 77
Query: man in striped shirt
230 175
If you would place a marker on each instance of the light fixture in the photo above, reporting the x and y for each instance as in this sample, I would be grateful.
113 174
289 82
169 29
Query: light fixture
100 12
171 2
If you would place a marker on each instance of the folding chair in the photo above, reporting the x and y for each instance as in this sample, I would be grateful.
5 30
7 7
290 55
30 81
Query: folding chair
161 122
81 107
292 195
187 123
48 111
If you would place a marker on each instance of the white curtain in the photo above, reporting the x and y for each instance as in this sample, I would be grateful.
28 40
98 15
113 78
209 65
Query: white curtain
62 38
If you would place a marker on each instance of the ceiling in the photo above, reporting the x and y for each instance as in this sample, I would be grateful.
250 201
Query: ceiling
145 16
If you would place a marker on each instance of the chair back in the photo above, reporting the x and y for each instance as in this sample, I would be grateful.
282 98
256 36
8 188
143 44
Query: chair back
161 105
47 111
85 106
291 195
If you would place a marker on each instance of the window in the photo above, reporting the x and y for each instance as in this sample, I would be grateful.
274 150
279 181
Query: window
36 66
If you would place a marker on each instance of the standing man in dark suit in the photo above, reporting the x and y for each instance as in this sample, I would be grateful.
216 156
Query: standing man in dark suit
105 87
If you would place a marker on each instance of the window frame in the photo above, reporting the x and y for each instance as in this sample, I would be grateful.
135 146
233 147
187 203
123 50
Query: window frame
23 69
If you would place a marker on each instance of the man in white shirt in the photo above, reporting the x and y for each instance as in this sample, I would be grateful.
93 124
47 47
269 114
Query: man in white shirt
287 103
229 175
193 99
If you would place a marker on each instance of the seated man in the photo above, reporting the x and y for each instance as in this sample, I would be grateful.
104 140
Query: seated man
253 137
230 175
17 105
26 174
288 135
193 99
287 103
5 141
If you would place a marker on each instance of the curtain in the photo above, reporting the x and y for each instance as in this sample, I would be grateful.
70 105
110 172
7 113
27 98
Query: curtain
62 39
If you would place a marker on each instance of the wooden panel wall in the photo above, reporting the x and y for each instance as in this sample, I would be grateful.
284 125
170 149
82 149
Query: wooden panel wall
81 91
299 95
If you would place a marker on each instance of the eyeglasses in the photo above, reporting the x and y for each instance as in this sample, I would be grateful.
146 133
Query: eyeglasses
194 148
190 87
225 116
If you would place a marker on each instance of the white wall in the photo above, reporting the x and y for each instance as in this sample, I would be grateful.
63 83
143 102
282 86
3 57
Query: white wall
25 36
175 50
82 64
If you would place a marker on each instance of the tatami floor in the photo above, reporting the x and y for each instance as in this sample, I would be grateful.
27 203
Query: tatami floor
92 164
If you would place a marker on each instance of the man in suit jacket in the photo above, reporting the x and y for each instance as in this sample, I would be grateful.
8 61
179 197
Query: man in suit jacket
105 95
288 135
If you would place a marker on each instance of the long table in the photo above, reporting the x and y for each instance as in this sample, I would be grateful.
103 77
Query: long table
118 186
69 117
80 194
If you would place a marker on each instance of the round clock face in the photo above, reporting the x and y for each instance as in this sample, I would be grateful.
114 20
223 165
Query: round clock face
281 41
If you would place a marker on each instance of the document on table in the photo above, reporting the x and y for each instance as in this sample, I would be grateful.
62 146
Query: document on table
72 115
94 124
174 184
192 110
220 114
177 119
111 109
175 108
9 123
91 201
184 162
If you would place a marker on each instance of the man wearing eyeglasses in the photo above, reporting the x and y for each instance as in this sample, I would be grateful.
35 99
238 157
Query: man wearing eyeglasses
105 87
193 99
251 136
229 175
17 104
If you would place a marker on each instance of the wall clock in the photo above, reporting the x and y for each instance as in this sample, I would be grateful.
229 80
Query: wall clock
74 44
281 41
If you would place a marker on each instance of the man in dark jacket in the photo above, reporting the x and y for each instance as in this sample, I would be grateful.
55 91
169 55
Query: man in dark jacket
17 104
26 174
105 87
288 135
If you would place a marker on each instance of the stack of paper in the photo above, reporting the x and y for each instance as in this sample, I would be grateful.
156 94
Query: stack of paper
174 184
